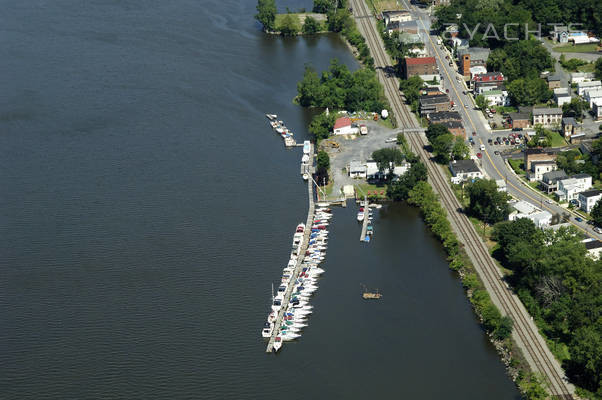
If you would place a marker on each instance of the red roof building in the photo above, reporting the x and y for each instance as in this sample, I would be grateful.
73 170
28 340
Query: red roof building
489 77
420 66
341 122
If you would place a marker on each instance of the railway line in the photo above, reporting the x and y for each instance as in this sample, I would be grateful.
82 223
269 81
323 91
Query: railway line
525 332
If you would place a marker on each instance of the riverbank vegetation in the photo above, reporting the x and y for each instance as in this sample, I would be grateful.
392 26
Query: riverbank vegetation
321 125
339 88
561 288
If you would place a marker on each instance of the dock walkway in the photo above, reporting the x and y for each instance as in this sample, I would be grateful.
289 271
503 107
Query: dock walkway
366 219
303 249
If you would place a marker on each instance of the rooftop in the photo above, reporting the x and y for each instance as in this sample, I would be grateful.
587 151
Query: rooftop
591 193
569 121
515 116
341 122
441 115
463 166
547 111
593 244
492 93
421 61
554 176
452 124
581 176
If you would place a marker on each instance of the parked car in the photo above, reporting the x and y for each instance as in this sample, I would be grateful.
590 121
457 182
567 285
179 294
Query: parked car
446 90
479 155
517 129
497 153
578 219
489 141
598 230
474 133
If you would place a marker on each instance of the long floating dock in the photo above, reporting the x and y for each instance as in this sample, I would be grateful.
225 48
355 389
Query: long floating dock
300 258
366 221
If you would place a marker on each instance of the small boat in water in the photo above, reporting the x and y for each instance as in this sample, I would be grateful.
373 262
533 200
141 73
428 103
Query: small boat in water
305 176
266 332
277 343
271 117
360 216
306 147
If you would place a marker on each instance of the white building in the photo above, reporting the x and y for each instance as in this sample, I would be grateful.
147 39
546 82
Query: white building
396 16
477 70
588 199
583 86
357 169
497 97
547 117
343 126
464 170
592 94
569 189
523 209
372 171
562 96
538 168
578 77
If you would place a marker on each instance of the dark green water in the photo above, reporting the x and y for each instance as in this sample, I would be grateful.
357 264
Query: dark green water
146 207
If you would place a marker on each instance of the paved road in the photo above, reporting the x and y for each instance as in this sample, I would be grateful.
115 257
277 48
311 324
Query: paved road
525 333
493 165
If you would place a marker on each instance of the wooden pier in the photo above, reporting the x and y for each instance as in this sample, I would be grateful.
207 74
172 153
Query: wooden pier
365 222
302 249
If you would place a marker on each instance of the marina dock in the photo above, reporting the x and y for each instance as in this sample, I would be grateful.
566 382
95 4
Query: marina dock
366 220
303 248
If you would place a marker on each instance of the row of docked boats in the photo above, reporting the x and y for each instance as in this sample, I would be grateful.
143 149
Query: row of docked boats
300 279
366 213
281 129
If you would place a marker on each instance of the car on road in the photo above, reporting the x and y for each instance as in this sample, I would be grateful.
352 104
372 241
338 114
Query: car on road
598 229
479 155
482 147
549 201
497 153
447 57
391 140
517 129
474 133
578 219
446 90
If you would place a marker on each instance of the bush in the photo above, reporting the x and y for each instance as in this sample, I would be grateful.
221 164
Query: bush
289 25
311 26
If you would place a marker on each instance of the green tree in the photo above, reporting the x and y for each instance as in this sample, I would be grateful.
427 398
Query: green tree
481 102
435 130
460 149
528 91
266 14
504 329
289 26
321 125
411 90
575 108
323 6
442 147
311 26
339 20
486 202
323 160
308 89
399 190
387 158
596 214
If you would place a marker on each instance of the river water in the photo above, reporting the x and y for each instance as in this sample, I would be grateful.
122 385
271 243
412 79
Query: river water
146 207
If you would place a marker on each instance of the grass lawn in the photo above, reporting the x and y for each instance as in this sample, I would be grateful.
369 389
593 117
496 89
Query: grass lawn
586 68
386 122
580 48
381 5
301 16
505 109
517 165
369 190
558 140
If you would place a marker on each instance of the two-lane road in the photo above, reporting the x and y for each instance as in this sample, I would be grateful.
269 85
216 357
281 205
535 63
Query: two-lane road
493 165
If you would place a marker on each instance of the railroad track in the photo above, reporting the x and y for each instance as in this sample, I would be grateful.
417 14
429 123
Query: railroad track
530 339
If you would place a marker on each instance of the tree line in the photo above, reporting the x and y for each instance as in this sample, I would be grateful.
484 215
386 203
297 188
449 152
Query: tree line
339 88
